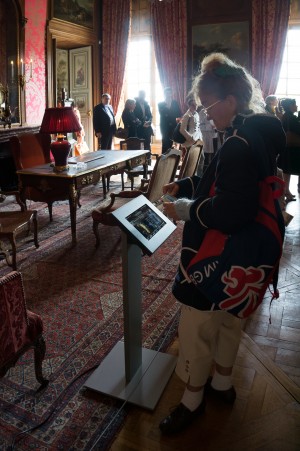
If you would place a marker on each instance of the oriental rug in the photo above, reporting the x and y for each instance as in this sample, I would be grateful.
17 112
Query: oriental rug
78 293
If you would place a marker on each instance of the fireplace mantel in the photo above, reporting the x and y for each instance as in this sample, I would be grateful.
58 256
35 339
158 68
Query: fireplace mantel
6 133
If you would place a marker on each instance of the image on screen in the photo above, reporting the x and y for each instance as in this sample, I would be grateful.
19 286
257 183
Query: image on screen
146 221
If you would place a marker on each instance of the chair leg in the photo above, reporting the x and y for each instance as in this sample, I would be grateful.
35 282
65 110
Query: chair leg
50 211
107 182
39 354
14 252
35 230
96 233
78 198
104 185
132 183
122 179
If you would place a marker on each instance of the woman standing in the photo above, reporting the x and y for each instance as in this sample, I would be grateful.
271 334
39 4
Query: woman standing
209 336
130 121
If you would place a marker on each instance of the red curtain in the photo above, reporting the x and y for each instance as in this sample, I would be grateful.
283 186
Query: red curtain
169 32
269 30
115 32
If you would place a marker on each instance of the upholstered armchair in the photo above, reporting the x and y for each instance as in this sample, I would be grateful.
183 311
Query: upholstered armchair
20 329
190 161
164 172
33 149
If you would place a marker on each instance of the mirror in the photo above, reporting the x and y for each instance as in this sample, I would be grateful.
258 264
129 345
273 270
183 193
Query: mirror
10 63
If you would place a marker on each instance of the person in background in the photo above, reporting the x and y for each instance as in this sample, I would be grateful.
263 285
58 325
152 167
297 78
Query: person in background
209 337
130 121
190 127
104 122
291 123
169 112
80 146
273 106
143 112
209 136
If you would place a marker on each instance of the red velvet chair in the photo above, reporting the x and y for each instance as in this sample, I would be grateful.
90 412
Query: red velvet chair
28 150
20 329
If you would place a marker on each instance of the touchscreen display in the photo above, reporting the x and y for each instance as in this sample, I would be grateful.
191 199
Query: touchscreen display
146 221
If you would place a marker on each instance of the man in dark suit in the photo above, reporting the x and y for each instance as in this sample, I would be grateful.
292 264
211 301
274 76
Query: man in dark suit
104 122
143 112
170 112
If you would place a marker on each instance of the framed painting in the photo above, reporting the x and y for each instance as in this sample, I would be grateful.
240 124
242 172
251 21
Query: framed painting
62 71
79 12
81 101
79 69
231 38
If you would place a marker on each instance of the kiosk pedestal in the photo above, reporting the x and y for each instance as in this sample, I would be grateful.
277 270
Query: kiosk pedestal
131 372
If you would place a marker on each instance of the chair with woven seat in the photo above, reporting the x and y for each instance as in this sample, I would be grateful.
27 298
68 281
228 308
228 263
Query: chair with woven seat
33 149
164 172
20 328
190 161
144 170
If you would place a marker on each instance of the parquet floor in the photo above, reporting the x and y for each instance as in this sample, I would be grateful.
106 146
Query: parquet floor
266 414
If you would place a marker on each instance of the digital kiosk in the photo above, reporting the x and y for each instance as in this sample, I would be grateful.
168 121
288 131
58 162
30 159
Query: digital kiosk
131 372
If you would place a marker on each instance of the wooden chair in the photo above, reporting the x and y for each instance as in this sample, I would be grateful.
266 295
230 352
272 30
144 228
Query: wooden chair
29 149
164 172
127 144
12 223
20 328
190 161
143 170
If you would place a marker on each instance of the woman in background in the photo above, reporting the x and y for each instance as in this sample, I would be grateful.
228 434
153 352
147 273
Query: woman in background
130 121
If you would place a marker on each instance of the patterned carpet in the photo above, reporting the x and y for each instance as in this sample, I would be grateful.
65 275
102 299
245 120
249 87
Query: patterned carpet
78 292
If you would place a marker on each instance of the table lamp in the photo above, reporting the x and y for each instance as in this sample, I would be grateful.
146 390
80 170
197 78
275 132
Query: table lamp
60 121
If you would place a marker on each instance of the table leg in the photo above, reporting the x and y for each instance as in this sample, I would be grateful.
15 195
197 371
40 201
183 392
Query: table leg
73 195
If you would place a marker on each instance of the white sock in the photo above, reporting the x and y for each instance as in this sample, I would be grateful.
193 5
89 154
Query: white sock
192 399
220 382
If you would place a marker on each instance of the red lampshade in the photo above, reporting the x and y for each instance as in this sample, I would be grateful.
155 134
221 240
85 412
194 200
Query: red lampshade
59 121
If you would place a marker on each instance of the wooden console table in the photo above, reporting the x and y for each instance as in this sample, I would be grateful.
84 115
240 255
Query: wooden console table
71 182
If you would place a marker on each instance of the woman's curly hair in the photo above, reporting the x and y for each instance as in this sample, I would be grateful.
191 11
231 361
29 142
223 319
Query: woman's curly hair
220 76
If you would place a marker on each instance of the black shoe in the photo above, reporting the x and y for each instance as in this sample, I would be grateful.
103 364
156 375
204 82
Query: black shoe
180 418
227 396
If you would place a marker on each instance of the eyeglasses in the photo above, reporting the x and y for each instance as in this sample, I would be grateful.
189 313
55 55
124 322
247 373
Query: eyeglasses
205 110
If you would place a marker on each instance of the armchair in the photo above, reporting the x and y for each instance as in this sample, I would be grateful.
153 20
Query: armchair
20 329
29 149
190 161
164 172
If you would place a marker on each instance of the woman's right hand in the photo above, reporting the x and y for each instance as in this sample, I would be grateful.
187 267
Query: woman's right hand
171 188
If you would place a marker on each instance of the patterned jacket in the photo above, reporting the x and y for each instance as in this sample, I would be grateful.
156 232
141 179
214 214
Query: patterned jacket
236 171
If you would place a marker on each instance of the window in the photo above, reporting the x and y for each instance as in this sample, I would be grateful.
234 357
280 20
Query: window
141 74
289 79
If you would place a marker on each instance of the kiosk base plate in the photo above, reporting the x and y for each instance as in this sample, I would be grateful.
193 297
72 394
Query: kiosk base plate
146 386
